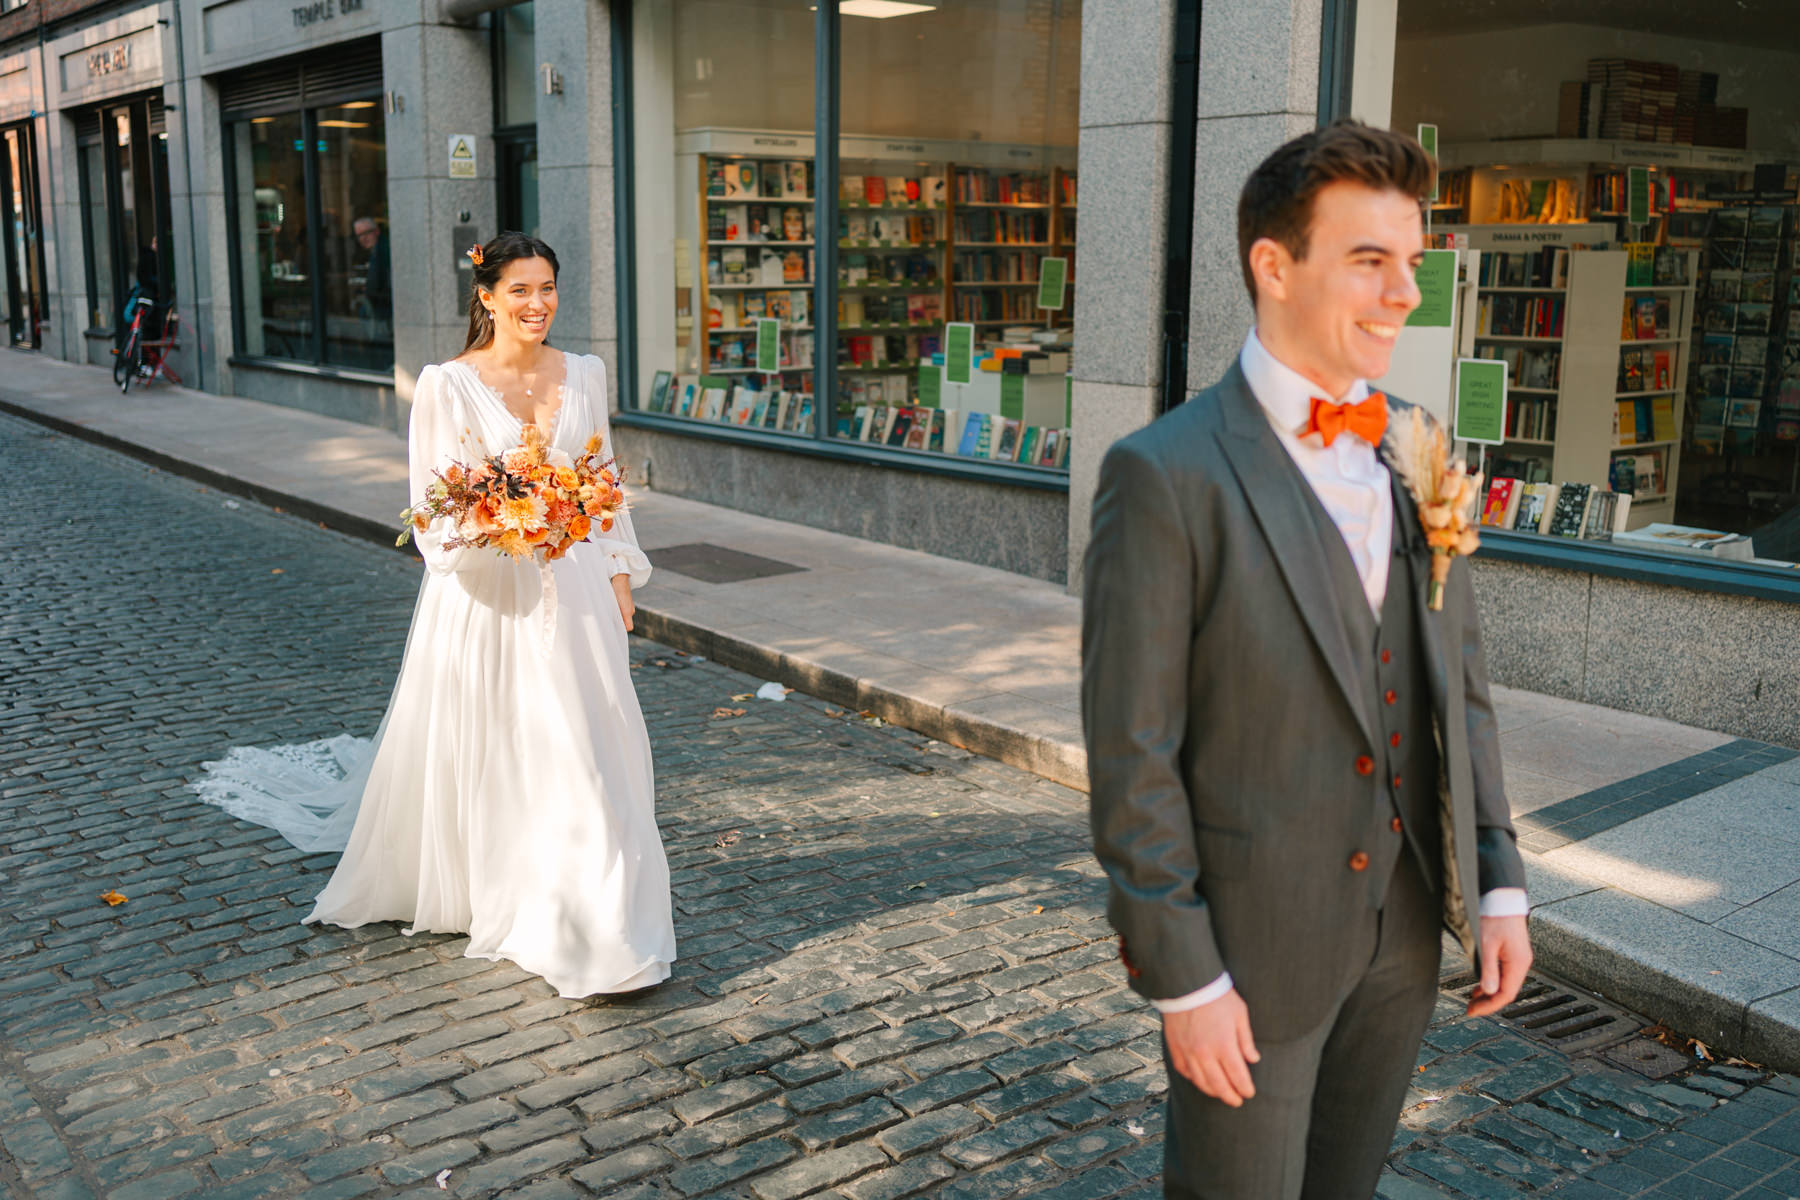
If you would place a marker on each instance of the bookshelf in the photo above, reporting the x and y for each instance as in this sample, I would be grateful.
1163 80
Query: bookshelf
1588 384
756 236
928 232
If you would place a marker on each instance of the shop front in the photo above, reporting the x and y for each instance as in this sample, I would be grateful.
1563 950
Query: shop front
122 155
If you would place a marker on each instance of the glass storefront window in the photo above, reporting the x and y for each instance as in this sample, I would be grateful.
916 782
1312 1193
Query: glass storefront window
314 266
951 205
102 305
1639 268
727 133
357 273
24 264
515 30
273 248
948 322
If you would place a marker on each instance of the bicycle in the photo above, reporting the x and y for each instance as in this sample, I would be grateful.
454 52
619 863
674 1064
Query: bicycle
144 358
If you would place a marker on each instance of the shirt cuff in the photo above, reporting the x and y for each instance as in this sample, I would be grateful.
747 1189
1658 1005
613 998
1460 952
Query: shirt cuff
1505 902
1205 995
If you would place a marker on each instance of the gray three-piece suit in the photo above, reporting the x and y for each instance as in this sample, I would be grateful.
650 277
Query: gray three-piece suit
1283 787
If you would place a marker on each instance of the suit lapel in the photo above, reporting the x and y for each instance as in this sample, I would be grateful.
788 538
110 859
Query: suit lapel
1418 554
1273 485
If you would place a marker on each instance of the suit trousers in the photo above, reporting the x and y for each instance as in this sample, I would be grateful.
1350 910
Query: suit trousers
1326 1104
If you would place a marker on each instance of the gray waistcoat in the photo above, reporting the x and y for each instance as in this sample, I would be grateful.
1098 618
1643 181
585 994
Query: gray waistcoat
1395 694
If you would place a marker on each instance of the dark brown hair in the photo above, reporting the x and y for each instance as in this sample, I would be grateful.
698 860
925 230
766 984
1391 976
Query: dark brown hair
504 249
1277 200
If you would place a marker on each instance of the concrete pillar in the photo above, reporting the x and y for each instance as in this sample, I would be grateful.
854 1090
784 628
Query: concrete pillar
1259 86
1127 54
441 76
197 206
575 174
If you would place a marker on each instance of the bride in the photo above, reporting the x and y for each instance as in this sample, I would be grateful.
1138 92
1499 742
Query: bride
508 790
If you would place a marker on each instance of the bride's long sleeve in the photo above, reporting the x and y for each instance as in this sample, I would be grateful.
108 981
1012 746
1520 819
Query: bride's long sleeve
437 436
620 543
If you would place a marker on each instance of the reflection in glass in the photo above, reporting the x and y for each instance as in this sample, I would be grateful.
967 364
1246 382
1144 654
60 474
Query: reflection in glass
273 250
724 110
518 65
949 206
358 279
102 310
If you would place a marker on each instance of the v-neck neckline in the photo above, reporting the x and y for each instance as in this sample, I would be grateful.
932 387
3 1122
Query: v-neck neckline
562 400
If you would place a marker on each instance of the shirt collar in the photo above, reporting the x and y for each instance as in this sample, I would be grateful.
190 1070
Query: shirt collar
1285 394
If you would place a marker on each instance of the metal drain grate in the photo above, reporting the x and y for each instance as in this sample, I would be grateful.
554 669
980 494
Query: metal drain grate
1647 1057
1567 1018
718 564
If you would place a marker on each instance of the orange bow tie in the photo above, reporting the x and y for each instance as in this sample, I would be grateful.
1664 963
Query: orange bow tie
1367 420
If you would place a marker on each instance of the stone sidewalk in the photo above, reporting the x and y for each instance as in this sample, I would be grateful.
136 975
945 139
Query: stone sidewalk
1664 860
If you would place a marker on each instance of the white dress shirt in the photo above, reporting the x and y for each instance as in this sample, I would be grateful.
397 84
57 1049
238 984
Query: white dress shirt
1352 484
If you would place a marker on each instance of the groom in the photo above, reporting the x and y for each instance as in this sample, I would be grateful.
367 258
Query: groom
1294 764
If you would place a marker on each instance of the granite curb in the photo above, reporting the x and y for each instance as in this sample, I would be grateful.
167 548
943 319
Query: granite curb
1738 997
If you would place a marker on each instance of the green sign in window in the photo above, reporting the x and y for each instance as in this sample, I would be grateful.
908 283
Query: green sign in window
931 384
1637 193
1428 139
959 351
1436 278
1053 282
1480 401
768 344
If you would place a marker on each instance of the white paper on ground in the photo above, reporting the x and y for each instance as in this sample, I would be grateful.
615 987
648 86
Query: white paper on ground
771 691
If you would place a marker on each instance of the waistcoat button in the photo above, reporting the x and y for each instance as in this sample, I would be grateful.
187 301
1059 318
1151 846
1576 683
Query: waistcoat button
1395 825
1387 656
1392 697
1359 861
1394 740
1365 765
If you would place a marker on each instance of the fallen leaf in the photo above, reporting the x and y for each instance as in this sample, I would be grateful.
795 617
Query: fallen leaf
114 899
834 712
743 696
1700 1050
1037 910
727 839
727 712
278 571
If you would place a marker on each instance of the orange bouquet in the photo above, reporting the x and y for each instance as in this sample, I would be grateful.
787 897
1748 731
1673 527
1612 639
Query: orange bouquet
530 500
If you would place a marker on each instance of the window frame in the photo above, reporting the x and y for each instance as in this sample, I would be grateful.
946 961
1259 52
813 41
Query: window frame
820 443
308 110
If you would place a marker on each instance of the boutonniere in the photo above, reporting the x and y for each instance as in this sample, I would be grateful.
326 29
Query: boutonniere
1444 491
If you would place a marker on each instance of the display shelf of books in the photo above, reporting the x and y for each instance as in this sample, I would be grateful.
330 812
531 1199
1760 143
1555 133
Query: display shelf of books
1745 394
756 237
1595 341
1571 180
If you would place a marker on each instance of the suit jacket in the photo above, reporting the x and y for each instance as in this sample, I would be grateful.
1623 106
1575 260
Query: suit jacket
1224 722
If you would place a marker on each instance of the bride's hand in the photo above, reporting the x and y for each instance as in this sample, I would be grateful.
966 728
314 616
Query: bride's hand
622 590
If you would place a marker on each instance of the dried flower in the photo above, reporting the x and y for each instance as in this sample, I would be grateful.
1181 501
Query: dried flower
1444 490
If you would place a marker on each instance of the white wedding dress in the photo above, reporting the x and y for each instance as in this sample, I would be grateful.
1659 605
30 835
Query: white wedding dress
508 791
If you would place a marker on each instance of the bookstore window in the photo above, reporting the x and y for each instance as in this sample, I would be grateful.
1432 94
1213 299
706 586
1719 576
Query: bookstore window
313 264
1625 199
949 318
728 135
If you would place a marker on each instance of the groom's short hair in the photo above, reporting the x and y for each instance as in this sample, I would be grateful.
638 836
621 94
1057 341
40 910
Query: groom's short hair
1277 200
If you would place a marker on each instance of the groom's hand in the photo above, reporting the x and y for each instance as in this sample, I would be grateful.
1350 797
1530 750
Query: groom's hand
1212 1048
1505 958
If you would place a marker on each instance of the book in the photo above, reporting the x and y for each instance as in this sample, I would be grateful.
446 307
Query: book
874 190
793 181
715 177
1645 317
1499 494
1625 431
971 434
1534 506
741 179
1005 447
1028 443
659 391
1597 525
1569 510
919 431
770 182
1661 377
1047 454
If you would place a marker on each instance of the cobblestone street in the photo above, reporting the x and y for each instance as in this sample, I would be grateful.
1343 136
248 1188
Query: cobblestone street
895 973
